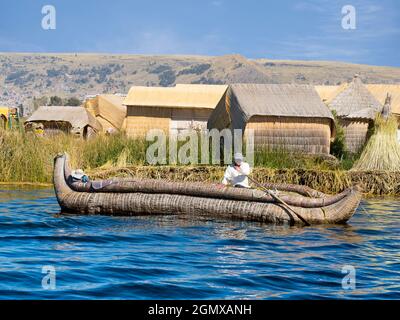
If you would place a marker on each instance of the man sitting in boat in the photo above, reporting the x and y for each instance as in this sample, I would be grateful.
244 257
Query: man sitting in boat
236 173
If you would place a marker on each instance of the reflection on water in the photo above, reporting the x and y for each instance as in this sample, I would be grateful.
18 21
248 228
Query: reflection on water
188 257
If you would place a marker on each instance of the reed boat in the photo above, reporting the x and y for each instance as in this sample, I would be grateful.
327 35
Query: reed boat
129 197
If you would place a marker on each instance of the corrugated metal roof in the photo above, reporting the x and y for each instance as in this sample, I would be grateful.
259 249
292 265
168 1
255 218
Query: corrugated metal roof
78 117
180 96
291 100
355 98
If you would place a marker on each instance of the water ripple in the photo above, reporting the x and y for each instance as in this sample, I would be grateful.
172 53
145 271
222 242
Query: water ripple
176 257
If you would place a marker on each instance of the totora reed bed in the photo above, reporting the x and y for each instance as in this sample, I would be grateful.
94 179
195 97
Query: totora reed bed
26 158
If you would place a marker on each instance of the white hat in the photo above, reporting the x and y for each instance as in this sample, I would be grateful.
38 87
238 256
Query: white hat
238 156
77 174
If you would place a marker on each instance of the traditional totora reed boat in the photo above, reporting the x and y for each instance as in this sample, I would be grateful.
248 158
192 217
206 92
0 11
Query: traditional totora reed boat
151 197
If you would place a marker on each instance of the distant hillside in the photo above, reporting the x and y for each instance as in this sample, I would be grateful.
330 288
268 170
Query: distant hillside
25 76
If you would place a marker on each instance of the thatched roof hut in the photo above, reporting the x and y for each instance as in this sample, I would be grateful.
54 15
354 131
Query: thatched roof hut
181 107
284 116
54 119
354 99
356 109
108 109
379 91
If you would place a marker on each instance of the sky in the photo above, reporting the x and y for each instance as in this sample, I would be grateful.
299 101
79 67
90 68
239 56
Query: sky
283 29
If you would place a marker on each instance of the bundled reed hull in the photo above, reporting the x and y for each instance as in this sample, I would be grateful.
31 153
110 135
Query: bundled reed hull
152 197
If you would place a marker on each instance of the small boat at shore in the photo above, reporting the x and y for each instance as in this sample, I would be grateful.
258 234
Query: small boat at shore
130 196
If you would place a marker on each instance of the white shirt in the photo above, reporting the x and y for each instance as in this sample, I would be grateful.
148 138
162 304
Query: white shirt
237 177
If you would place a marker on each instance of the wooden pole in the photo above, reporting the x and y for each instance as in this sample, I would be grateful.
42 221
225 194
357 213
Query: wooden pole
280 201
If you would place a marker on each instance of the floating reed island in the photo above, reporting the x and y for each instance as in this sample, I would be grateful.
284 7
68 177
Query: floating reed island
371 183
295 205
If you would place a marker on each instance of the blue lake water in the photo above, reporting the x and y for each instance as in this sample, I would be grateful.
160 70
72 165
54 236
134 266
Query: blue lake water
175 257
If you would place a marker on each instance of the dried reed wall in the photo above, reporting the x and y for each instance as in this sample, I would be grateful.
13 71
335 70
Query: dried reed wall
355 131
141 119
308 135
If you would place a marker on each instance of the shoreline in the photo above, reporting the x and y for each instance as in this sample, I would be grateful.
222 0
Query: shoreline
25 183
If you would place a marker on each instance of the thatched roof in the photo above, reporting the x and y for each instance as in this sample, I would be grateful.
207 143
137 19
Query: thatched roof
108 109
328 93
379 91
78 117
355 101
181 96
284 100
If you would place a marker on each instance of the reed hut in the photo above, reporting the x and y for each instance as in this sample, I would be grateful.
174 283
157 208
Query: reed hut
283 116
356 109
185 106
109 111
54 120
